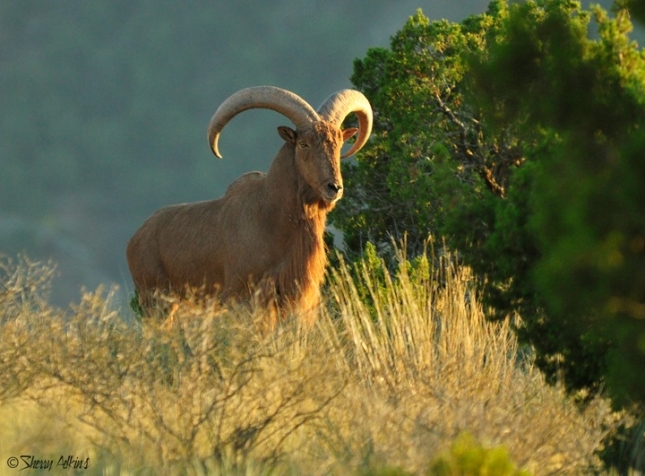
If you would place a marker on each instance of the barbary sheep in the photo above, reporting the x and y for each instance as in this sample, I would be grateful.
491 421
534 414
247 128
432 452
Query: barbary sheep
264 237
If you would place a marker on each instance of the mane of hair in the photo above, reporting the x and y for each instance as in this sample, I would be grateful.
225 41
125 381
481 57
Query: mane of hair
298 283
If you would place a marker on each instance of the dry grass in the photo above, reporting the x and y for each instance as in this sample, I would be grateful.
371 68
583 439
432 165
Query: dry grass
393 372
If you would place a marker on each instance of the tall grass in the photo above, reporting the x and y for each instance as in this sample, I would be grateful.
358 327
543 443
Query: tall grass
395 370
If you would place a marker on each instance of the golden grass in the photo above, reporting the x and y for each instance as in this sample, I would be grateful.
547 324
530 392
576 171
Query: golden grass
393 372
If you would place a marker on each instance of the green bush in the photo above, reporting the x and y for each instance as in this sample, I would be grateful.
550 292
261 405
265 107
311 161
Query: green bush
582 100
516 136
427 152
468 458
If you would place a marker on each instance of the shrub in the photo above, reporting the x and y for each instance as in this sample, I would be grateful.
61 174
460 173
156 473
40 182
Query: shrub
467 457
387 382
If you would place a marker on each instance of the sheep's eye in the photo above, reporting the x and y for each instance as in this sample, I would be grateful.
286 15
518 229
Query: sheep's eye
303 145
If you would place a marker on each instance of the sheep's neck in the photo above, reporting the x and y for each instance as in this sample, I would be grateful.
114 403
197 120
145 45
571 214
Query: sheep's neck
304 217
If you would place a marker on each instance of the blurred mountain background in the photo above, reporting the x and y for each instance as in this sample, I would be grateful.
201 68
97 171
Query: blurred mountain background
104 107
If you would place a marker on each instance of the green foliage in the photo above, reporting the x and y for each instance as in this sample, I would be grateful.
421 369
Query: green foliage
135 305
427 152
374 277
467 457
585 211
517 136
625 449
636 8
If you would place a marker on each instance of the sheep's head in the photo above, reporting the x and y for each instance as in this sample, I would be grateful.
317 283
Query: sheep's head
317 158
317 139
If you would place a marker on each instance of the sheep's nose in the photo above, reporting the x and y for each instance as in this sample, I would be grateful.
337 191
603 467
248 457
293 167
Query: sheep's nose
333 191
334 188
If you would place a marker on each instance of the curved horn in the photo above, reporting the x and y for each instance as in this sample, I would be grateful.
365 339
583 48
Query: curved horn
337 106
296 109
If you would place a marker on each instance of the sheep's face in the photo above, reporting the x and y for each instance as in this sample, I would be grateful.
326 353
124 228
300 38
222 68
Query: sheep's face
317 151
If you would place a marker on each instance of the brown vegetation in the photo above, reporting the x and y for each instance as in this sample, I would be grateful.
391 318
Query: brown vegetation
391 374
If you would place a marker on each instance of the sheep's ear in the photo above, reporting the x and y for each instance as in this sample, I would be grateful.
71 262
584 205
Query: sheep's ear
349 132
288 134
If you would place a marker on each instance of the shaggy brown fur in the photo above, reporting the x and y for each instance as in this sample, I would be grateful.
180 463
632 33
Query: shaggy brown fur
264 237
